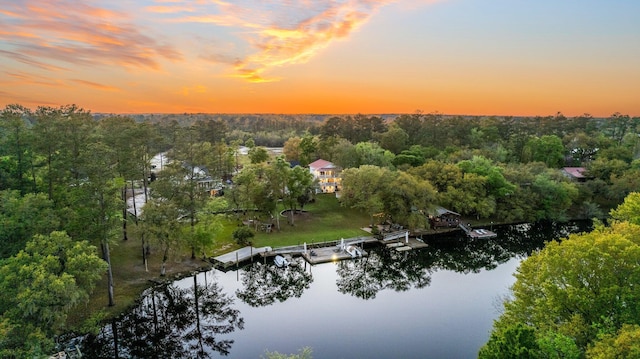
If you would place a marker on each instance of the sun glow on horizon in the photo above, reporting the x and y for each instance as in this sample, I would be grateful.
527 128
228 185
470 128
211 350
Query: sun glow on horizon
331 57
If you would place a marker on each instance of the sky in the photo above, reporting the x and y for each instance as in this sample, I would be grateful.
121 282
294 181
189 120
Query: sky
459 57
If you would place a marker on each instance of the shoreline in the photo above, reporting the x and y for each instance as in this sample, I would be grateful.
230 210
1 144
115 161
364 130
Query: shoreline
89 320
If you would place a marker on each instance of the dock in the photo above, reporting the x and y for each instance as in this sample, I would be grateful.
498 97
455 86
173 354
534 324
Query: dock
405 244
336 250
321 252
477 233
329 254
239 256
387 237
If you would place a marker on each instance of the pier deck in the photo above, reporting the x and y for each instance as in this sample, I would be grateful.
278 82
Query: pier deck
328 254
238 256
406 244
477 233
316 253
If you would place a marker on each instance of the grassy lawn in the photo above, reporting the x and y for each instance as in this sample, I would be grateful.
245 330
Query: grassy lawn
325 220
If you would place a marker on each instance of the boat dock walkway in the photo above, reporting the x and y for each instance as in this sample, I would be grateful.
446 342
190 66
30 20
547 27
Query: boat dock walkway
406 244
238 256
395 235
321 252
477 233
329 254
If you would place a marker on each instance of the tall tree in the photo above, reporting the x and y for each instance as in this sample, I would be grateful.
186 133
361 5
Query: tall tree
308 149
363 188
415 126
299 185
208 226
15 150
548 149
47 137
101 203
370 153
408 199
258 154
161 219
184 180
212 130
497 185
23 217
41 285
629 210
395 139
123 136
556 197
623 344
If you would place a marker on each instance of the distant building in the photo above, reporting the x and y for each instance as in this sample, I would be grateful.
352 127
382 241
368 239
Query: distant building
327 176
444 218
575 173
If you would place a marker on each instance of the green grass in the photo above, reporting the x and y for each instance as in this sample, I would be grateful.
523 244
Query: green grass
325 220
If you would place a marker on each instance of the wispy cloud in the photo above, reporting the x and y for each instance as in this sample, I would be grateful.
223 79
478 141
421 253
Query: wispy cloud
25 78
250 37
57 34
95 85
25 100
279 32
28 60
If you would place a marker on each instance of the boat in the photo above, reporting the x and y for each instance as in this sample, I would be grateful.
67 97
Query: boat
280 261
354 251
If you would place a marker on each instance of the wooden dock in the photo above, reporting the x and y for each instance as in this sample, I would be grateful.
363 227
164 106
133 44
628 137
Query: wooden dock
329 254
387 237
322 252
406 244
238 256
477 233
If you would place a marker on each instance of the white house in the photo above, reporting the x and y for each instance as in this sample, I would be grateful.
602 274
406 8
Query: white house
327 175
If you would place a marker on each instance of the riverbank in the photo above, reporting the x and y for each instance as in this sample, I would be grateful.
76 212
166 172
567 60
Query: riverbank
131 278
325 220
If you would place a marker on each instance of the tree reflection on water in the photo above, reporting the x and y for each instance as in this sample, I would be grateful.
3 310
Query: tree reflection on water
170 322
198 321
386 268
265 284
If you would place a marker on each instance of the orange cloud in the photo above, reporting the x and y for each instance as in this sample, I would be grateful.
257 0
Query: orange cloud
50 33
279 32
23 78
30 60
168 9
95 85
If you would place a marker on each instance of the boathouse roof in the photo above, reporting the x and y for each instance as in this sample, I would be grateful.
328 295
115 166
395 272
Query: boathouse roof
442 211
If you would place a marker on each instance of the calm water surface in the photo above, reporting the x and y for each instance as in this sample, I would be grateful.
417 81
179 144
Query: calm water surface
437 302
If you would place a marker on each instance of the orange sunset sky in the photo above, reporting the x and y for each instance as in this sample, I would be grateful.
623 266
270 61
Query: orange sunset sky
476 57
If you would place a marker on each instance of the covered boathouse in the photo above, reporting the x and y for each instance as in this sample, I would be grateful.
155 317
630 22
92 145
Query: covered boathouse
444 218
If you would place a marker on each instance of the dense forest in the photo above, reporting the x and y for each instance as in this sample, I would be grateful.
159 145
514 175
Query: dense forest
65 175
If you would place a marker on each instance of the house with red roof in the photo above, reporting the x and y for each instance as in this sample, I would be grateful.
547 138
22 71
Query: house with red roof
326 175
576 173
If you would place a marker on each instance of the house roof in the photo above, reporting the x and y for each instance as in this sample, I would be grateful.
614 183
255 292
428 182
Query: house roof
575 172
318 164
441 210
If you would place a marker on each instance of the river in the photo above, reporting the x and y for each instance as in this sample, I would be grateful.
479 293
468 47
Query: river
436 302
